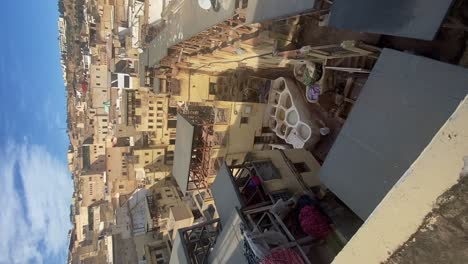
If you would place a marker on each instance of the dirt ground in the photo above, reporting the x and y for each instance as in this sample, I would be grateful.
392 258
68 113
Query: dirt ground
443 236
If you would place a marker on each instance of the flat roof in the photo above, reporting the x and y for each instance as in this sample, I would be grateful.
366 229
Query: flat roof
419 19
403 104
183 152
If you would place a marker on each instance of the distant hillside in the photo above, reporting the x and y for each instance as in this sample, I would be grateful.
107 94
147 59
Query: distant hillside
72 11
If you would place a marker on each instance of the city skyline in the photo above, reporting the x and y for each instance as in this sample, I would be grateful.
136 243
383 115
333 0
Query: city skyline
35 182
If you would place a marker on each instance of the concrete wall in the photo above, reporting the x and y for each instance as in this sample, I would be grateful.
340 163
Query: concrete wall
153 112
239 136
99 89
91 188
288 180
406 205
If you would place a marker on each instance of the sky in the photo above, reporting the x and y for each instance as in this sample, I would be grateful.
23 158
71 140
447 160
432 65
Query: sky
35 185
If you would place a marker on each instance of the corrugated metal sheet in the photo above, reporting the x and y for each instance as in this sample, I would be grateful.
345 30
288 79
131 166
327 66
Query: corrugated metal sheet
403 104
419 19
183 152
224 194
229 243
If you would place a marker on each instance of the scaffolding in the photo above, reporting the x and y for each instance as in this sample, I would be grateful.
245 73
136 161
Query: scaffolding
198 240
202 118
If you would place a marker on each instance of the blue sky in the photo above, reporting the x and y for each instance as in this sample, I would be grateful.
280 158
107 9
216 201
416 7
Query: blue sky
35 186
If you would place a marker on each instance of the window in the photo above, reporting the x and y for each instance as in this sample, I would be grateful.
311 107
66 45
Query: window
98 76
150 120
98 84
126 81
244 120
266 130
160 114
137 102
172 123
104 120
138 120
151 114
146 161
124 173
121 187
219 138
247 109
266 170
150 127
160 108
151 108
158 126
104 91
221 115
171 141
212 89
261 139
170 195
301 167
173 111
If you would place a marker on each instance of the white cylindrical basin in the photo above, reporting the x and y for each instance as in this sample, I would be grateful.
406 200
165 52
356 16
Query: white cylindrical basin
292 117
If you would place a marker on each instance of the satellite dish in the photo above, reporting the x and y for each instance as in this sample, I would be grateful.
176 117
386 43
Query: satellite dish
205 4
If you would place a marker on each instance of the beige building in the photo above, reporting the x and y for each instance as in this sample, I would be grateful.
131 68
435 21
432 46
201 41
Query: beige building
92 188
192 86
153 113
99 84
207 135
70 159
150 164
99 55
107 21
101 128
173 212
279 174
120 173
93 158
141 230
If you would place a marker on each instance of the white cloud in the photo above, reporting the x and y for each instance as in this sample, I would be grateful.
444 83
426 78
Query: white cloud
47 197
